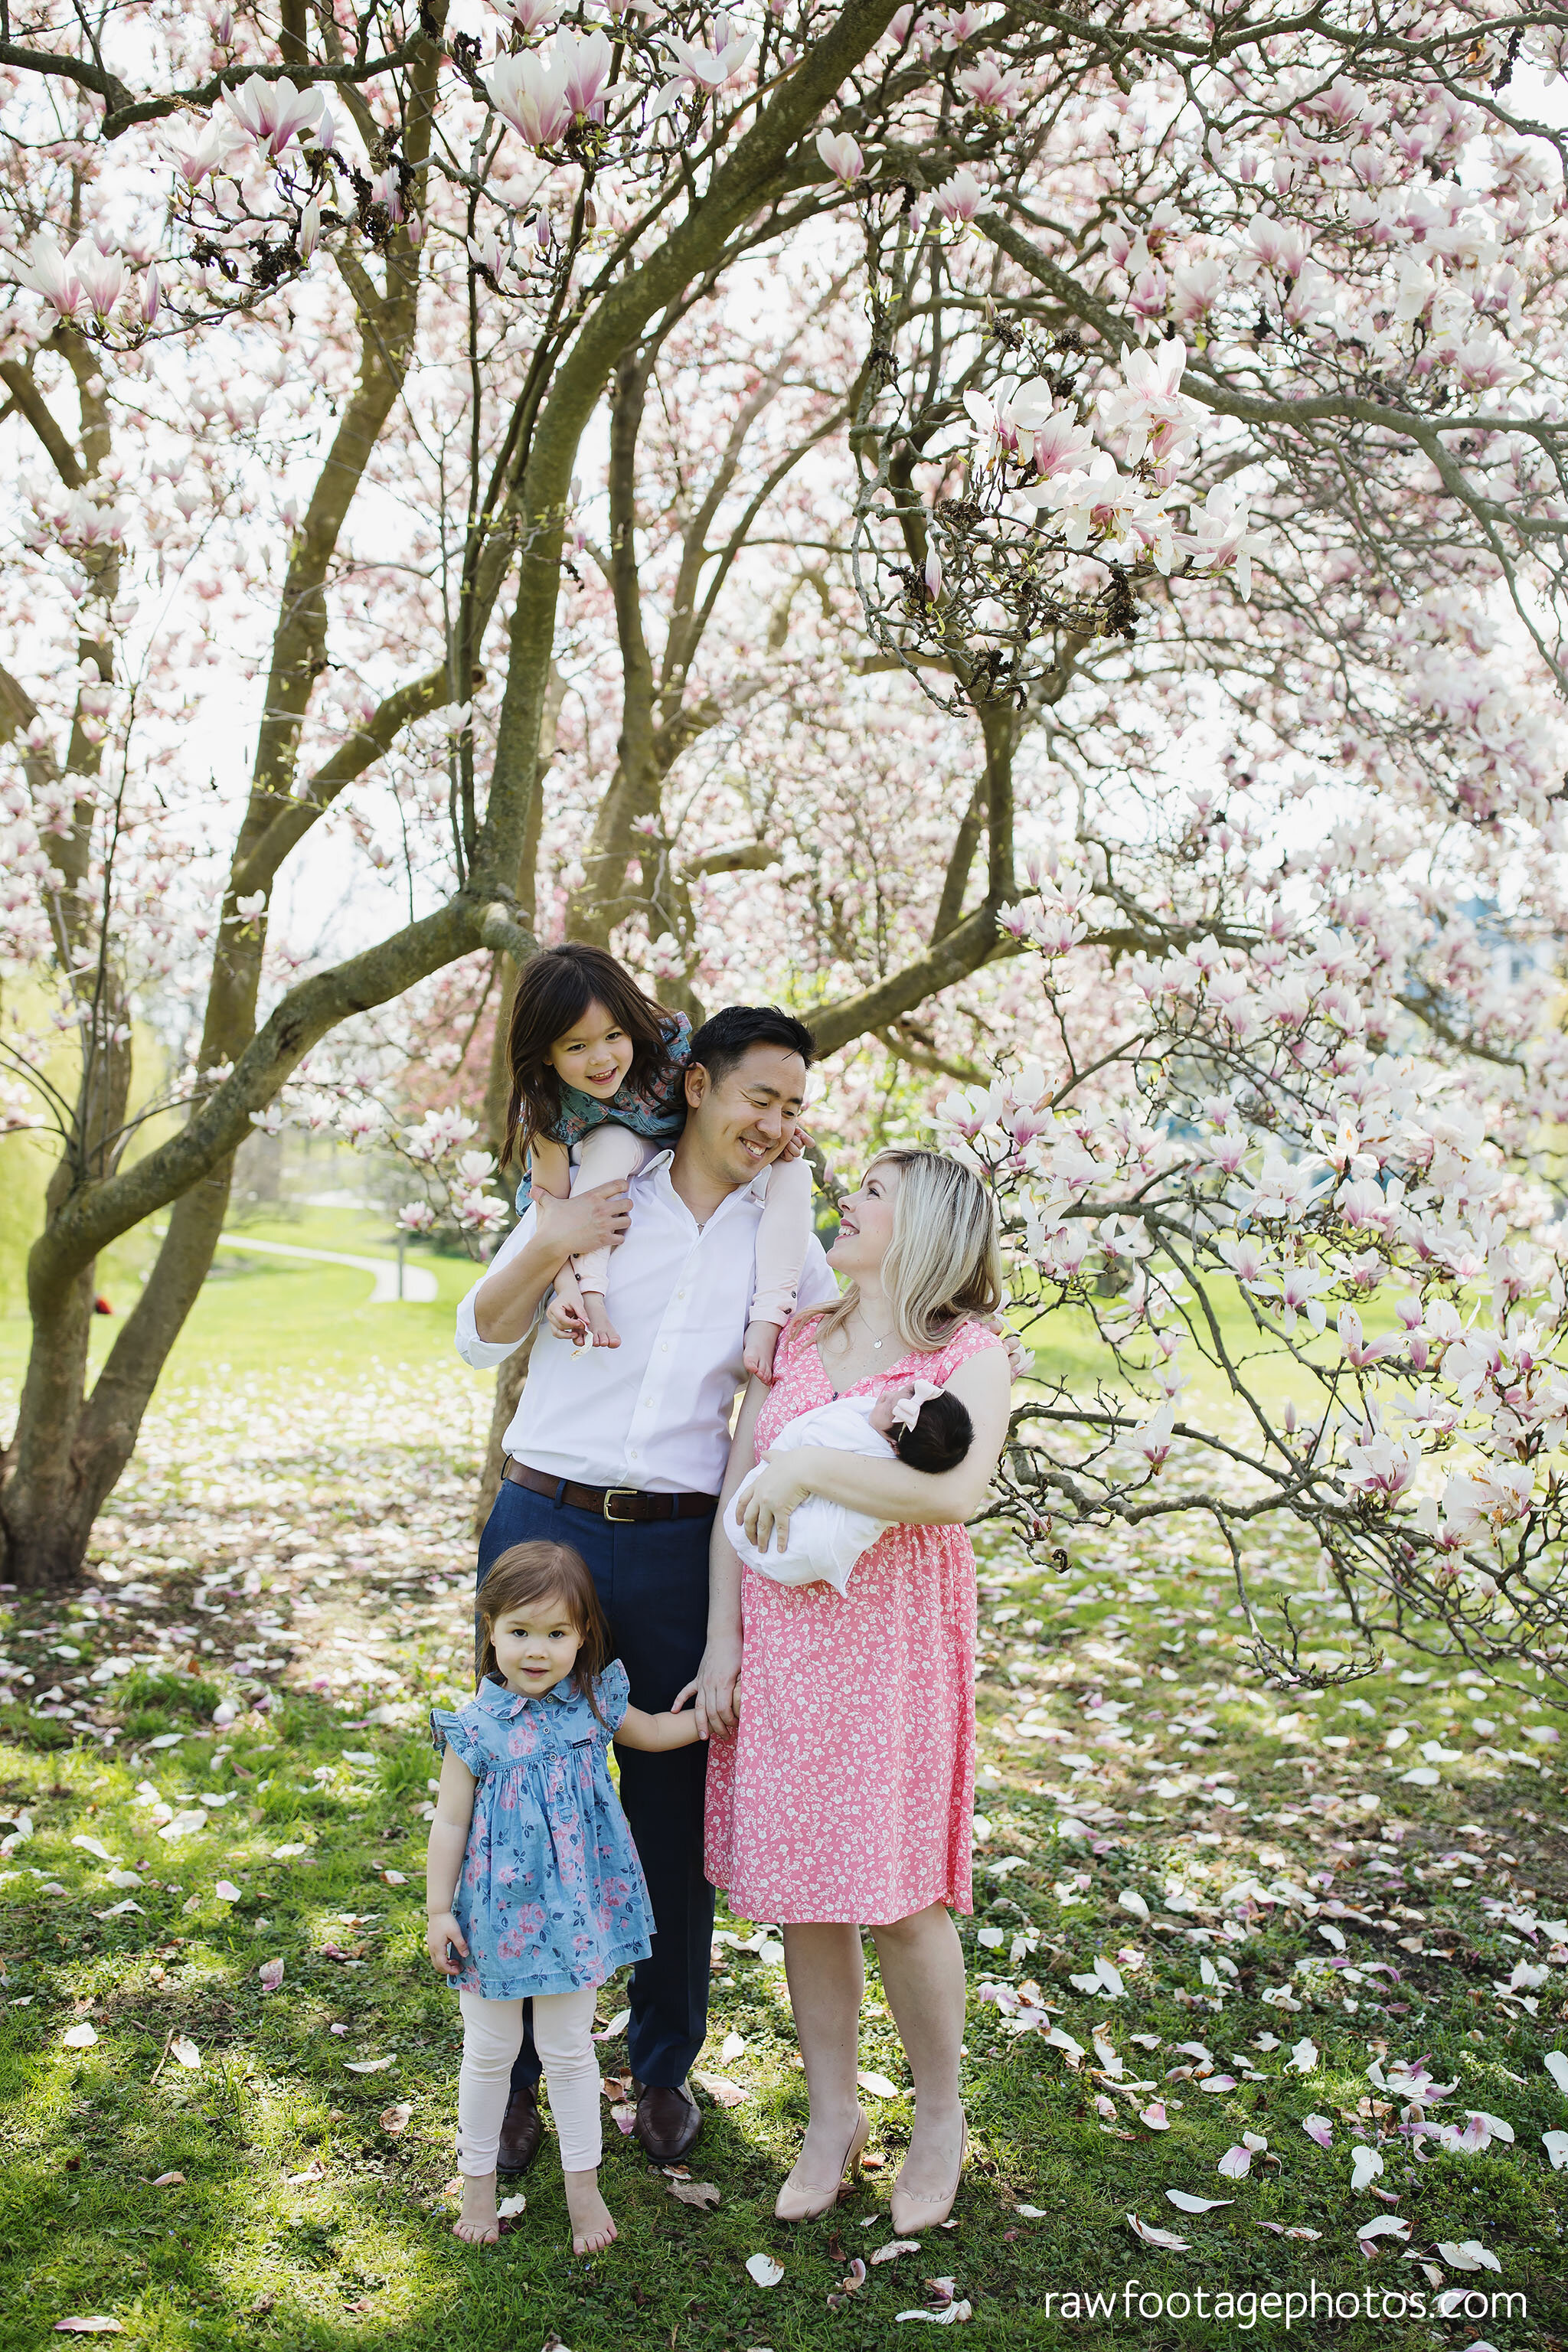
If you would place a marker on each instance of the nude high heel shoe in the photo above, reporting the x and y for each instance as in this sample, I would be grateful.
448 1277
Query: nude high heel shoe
801 2204
911 2214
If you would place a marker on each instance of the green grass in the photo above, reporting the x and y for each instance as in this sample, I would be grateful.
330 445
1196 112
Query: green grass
330 1470
253 1310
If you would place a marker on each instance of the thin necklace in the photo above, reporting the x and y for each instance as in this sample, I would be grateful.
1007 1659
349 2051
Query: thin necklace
877 1344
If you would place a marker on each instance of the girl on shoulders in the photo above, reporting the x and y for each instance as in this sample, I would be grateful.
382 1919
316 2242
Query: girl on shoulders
597 1065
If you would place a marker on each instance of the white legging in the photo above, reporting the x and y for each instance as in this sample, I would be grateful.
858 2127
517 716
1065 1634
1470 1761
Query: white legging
562 2036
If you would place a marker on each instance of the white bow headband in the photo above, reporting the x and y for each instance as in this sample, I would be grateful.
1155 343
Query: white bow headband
906 1411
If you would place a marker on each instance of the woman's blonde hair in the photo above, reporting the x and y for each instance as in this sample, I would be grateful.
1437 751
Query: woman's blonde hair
944 1261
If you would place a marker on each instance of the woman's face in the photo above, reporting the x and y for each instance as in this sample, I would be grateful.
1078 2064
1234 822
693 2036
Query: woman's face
866 1223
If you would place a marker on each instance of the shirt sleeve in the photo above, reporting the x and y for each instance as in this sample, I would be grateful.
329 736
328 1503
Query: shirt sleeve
482 1354
612 1691
818 1287
450 1731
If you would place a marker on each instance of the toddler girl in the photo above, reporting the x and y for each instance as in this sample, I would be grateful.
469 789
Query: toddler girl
927 1427
597 1064
532 1881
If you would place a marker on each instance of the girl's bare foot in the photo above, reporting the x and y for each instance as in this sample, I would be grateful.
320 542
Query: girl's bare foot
478 2224
761 1338
591 2227
605 1332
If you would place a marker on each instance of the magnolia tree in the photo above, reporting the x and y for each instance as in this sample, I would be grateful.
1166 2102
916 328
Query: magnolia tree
1066 489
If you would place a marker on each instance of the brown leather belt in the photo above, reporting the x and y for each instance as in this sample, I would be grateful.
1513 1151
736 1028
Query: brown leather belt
619 1504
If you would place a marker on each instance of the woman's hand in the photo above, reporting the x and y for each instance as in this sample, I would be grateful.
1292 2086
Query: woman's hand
714 1689
441 1929
777 1491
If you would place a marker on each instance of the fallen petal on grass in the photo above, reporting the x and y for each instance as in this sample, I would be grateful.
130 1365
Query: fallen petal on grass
1468 2254
763 2271
1153 2237
721 2091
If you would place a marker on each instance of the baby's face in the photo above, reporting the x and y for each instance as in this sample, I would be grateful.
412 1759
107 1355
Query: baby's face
881 1416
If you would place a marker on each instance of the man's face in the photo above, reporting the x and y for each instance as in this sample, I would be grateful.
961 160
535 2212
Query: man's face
743 1123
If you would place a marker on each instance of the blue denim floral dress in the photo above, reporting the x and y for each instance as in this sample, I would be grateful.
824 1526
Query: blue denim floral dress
550 1897
656 1109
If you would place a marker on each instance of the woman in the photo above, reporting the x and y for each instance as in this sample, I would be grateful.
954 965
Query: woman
844 1799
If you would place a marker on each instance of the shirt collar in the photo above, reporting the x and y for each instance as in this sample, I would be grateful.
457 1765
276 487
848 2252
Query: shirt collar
658 1168
503 1704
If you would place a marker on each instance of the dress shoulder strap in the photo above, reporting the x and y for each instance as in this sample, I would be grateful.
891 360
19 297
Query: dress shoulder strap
970 1338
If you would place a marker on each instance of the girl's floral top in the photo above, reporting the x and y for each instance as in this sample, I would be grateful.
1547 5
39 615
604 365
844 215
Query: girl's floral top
550 1897
656 1107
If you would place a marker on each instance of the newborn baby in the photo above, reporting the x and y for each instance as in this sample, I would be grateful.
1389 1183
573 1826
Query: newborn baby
925 1426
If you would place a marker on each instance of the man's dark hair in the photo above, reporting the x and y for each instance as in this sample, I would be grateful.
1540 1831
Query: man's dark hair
942 1435
725 1040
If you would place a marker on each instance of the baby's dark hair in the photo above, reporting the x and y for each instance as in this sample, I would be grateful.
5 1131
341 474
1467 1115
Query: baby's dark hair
942 1435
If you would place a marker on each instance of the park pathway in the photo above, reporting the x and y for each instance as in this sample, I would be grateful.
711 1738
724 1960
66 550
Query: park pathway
419 1284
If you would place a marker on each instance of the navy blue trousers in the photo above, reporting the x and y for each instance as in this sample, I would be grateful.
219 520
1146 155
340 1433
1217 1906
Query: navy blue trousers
652 1582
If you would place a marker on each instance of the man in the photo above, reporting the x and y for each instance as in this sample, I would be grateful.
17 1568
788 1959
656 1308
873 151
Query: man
620 1452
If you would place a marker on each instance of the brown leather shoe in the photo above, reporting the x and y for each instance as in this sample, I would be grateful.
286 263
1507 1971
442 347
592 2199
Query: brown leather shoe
521 2130
668 2120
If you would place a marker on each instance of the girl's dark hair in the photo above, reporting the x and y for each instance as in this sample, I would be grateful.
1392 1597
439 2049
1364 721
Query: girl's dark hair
554 989
940 1436
528 1574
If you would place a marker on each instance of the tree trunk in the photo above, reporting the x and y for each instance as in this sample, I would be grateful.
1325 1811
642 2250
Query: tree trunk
509 1378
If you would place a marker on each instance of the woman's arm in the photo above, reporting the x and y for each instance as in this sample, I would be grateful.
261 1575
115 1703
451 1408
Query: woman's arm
654 1733
444 1860
713 1684
890 1490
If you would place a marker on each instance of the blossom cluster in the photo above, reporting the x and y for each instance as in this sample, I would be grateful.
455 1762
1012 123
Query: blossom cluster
1252 1192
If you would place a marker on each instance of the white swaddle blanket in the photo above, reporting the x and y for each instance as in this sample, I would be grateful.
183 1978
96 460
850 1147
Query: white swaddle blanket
825 1539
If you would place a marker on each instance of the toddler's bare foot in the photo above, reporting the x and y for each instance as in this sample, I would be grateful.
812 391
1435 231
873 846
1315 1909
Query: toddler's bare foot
478 2224
591 2228
761 1338
605 1332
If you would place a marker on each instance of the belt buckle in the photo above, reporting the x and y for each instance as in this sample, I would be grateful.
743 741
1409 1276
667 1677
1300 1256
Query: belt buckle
610 1493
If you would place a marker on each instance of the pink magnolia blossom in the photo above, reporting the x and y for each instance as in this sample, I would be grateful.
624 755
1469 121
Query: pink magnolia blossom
960 197
49 272
989 85
711 69
1149 405
1221 539
274 113
841 155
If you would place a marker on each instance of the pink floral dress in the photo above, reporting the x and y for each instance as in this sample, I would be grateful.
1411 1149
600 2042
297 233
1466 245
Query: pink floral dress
847 1791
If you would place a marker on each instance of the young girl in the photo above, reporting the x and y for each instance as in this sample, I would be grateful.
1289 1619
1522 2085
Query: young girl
597 1064
926 1426
532 1881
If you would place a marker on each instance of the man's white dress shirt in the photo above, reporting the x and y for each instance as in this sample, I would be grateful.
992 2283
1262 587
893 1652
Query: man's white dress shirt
655 1411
